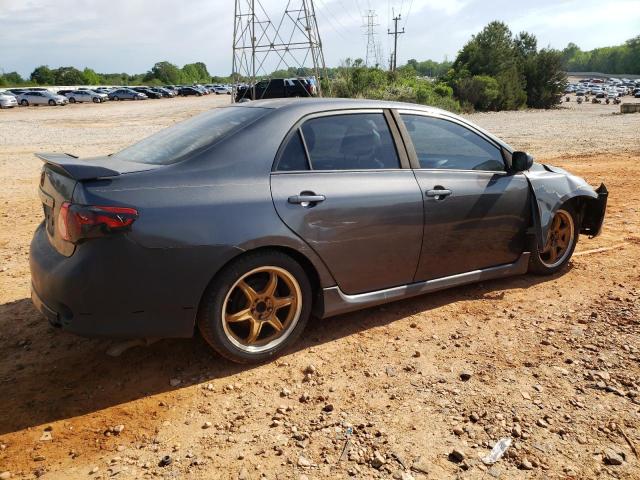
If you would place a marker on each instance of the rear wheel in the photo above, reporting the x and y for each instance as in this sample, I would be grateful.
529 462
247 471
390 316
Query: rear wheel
561 241
24 103
256 307
115 98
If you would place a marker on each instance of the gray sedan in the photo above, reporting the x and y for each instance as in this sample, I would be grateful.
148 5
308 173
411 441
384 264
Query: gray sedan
41 98
244 221
126 94
78 96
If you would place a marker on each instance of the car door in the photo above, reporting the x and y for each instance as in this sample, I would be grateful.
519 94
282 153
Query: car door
339 183
38 98
476 213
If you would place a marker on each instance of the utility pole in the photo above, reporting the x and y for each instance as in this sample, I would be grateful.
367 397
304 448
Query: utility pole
261 46
372 50
395 33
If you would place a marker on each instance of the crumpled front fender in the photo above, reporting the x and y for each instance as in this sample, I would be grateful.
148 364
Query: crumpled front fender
551 188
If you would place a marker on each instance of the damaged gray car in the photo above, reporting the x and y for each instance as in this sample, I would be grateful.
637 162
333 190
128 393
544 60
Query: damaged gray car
244 221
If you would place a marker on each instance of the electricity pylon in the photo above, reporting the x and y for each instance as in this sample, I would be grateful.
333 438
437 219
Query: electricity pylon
261 46
373 49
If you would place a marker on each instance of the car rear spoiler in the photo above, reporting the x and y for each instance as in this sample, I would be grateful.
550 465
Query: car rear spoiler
74 167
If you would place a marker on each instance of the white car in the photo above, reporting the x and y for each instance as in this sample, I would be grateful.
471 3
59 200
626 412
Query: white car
78 96
221 90
41 98
8 100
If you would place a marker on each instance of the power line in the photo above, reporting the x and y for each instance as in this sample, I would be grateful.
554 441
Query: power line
406 19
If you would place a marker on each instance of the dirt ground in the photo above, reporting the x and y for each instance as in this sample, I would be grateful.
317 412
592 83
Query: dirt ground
421 388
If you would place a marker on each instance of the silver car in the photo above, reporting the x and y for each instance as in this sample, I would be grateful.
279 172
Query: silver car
86 96
41 98
8 100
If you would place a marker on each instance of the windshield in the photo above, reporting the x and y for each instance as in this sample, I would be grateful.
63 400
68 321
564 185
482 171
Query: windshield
176 142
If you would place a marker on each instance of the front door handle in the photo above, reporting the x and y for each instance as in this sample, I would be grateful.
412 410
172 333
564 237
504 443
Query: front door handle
439 193
305 199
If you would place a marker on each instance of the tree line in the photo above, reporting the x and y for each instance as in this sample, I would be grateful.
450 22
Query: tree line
620 59
162 73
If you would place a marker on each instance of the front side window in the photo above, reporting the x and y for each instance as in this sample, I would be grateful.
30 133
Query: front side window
359 141
441 144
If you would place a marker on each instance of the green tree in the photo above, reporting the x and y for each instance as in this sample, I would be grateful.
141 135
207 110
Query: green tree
166 72
546 79
11 78
68 76
42 75
91 77
196 73
489 52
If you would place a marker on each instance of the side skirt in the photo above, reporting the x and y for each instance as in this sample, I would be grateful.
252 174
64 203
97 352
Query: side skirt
336 302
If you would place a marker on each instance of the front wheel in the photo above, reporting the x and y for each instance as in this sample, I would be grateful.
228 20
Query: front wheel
96 100
561 241
72 100
115 98
24 103
256 307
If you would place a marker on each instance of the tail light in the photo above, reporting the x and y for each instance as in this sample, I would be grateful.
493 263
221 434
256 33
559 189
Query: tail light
80 222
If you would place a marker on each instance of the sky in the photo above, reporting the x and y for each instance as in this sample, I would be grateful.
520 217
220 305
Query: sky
131 35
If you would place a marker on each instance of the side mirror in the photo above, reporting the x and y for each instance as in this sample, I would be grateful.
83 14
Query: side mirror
521 161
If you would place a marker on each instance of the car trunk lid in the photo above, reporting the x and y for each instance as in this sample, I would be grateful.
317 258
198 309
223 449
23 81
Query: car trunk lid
61 175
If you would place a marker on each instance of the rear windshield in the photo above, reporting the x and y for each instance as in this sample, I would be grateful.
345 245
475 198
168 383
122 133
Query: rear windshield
176 142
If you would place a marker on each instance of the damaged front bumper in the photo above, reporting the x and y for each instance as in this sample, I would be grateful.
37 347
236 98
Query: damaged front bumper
594 212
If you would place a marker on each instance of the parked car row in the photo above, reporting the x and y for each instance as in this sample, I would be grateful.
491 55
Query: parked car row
610 88
13 97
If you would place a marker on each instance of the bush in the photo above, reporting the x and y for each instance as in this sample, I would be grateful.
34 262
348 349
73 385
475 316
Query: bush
352 80
479 92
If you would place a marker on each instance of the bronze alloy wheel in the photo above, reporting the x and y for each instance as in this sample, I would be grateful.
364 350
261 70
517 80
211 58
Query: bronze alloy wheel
560 239
261 309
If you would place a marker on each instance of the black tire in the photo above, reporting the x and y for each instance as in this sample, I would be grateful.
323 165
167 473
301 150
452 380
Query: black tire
542 262
52 103
96 100
115 98
219 296
71 100
24 103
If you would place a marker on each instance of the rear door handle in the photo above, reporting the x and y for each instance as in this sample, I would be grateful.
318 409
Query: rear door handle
303 199
439 193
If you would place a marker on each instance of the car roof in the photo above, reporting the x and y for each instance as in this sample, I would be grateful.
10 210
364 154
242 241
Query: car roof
307 106
312 105
320 104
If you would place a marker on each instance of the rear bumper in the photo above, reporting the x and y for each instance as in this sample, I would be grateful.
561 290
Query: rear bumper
116 288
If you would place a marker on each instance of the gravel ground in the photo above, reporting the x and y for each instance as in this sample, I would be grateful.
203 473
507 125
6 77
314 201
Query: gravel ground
416 389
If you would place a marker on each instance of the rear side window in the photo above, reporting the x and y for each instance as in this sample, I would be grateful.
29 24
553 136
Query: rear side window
359 141
293 157
176 142
441 144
